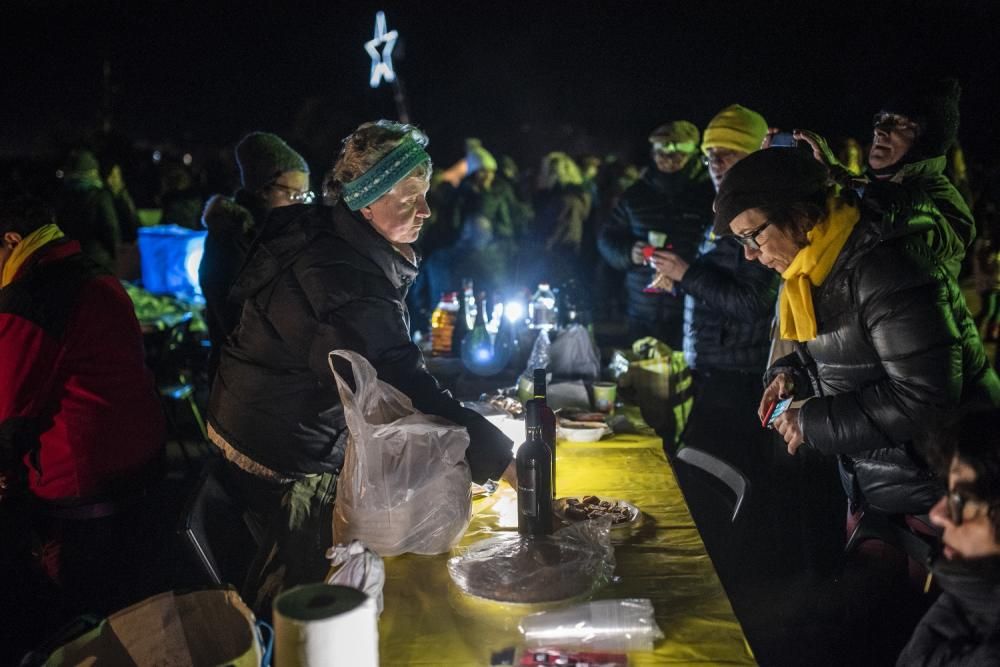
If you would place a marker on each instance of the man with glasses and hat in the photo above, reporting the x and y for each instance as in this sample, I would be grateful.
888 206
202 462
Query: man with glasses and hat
963 625
911 136
668 207
272 175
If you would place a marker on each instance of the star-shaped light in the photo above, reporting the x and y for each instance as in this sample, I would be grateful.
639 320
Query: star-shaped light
381 62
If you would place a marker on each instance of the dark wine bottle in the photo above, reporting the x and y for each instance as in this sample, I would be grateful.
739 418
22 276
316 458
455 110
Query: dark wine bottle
548 419
534 478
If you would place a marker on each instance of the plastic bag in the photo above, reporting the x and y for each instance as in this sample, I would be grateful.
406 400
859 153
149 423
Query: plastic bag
358 567
405 486
658 380
604 625
573 354
571 563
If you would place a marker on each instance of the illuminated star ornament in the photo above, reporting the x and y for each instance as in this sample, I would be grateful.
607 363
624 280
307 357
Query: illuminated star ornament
381 62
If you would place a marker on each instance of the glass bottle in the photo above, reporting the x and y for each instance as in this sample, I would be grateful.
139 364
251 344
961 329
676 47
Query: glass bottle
534 478
443 324
548 419
543 313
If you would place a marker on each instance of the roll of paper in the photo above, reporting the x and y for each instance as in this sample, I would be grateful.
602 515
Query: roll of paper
321 624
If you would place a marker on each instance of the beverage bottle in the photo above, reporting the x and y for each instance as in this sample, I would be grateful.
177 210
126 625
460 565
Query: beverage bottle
477 346
462 326
548 419
443 324
543 312
469 300
534 478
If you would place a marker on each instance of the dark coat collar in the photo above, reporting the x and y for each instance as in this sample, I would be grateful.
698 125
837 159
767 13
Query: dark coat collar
362 237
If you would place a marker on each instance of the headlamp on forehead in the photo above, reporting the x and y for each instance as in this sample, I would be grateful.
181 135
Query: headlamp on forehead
675 147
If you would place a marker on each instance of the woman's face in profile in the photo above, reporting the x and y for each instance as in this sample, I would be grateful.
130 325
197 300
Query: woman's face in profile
968 531
774 249
399 214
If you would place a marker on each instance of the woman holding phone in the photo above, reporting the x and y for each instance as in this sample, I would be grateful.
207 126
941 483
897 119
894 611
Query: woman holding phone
885 346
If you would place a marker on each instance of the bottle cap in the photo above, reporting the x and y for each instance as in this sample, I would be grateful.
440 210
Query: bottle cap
540 378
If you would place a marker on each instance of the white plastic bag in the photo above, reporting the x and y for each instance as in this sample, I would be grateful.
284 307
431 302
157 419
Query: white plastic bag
405 486
601 625
356 566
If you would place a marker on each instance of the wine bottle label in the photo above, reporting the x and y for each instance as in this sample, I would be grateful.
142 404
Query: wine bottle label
527 494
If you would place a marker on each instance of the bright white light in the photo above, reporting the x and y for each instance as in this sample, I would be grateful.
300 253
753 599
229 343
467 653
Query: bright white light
482 354
514 310
157 156
381 62
187 159
193 261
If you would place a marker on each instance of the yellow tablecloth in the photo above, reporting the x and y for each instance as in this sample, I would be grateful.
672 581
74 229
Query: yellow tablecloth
427 621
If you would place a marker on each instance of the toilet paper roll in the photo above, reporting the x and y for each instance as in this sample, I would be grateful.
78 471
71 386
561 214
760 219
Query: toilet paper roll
320 624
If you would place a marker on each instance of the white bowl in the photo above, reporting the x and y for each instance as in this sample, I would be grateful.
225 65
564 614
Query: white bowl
583 433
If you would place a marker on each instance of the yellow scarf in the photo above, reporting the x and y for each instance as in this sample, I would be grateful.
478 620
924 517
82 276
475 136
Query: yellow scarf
25 249
810 268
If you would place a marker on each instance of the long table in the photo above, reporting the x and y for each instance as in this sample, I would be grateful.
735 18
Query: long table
427 621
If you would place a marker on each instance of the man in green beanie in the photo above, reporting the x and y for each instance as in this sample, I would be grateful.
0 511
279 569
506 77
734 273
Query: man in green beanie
272 175
670 206
85 209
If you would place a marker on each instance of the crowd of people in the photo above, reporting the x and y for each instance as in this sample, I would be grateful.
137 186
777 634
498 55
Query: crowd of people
780 268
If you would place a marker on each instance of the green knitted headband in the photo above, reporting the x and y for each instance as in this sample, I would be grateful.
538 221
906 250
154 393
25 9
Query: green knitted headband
388 171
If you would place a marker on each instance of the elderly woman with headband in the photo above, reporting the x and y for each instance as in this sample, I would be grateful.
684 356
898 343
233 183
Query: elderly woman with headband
321 278
886 348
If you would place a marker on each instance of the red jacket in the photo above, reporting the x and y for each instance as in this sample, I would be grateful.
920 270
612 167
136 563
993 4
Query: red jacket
75 392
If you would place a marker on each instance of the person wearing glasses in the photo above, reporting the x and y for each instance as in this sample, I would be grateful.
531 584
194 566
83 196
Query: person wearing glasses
320 279
911 136
963 625
728 304
272 175
885 346
668 206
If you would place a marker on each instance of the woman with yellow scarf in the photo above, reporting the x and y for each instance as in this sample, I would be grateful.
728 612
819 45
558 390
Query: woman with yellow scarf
886 348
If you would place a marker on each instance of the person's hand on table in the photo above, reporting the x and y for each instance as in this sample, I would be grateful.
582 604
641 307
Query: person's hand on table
781 387
669 264
787 424
637 256
510 474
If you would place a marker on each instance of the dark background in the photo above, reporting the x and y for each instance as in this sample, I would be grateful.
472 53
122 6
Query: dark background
524 77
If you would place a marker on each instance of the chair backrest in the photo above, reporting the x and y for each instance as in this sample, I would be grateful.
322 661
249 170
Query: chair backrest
723 471
216 530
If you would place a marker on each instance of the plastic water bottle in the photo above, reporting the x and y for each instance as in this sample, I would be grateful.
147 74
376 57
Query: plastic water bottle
543 313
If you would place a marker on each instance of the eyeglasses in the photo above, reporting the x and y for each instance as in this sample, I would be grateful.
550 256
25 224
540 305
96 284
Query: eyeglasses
297 196
719 157
891 121
749 240
957 500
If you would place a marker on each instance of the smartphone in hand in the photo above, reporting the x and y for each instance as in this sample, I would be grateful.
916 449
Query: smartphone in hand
776 409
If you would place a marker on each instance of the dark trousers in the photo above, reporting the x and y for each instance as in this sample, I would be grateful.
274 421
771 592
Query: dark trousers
297 522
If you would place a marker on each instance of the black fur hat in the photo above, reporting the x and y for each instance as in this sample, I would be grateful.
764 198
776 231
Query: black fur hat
934 107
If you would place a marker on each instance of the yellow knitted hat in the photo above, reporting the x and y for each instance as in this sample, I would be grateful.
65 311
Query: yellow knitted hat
736 128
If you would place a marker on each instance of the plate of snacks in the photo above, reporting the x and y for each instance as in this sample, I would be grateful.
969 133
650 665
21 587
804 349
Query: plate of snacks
583 508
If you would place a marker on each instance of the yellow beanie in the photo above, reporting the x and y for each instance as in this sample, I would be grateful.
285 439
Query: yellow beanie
736 128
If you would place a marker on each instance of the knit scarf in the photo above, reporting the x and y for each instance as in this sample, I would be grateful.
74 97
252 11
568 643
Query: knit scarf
25 249
811 266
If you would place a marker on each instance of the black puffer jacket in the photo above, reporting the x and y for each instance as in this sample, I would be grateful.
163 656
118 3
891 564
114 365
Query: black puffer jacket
728 308
232 227
963 625
318 280
679 204
896 355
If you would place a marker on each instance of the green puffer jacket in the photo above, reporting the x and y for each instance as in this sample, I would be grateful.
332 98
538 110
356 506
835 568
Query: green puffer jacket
948 236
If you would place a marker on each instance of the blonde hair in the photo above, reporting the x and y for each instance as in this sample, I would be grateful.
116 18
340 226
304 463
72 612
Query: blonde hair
558 169
363 148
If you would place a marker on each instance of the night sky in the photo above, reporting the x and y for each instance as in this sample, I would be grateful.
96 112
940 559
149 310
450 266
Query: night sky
526 77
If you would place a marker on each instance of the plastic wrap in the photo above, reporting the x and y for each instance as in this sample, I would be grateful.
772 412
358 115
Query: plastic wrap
574 354
571 563
405 486
356 566
606 625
